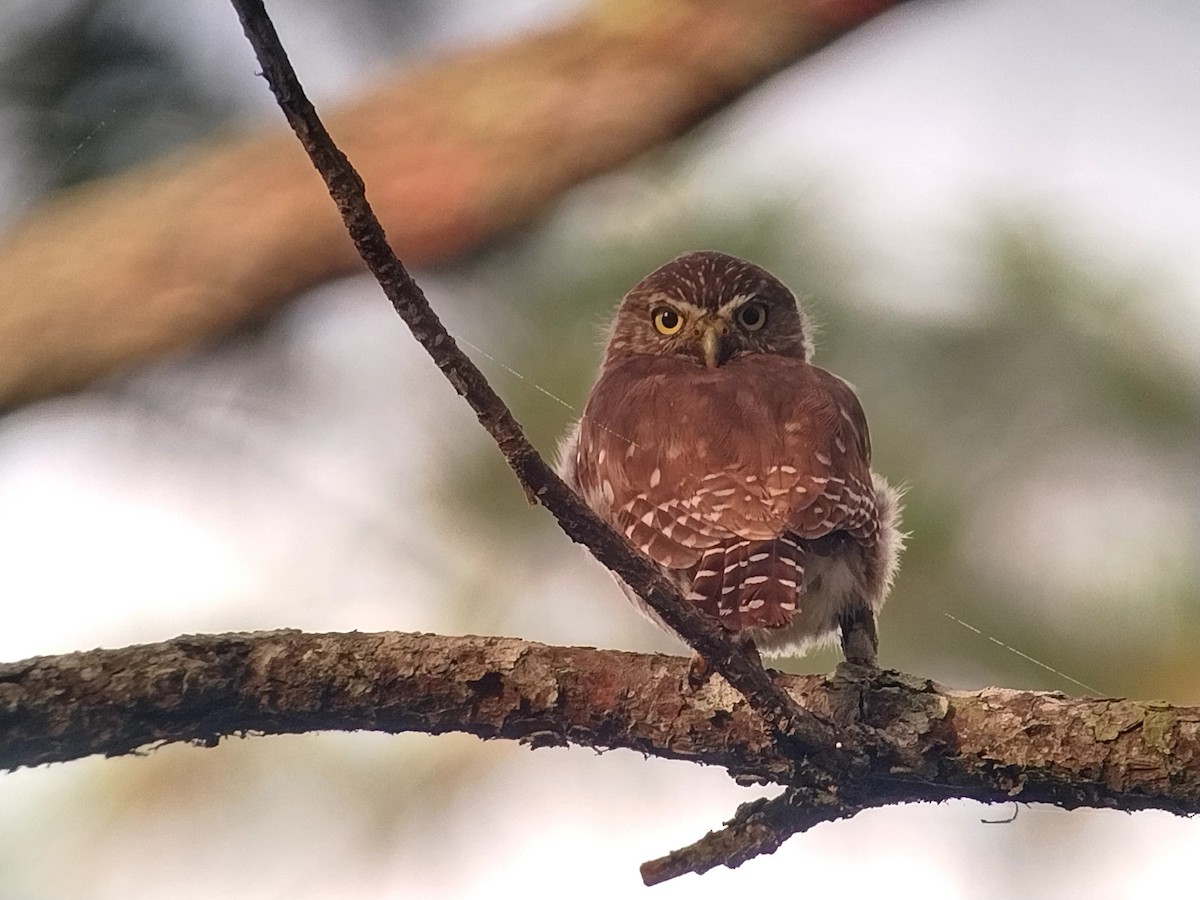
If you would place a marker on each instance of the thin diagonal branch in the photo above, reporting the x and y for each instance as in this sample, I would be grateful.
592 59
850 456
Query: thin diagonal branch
811 735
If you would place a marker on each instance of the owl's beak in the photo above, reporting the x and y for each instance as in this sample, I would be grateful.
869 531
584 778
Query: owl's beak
710 342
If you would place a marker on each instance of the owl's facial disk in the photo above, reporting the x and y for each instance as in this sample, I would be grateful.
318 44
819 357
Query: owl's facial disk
710 308
713 336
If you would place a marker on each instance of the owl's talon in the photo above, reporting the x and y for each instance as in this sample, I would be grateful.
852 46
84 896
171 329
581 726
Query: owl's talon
699 671
747 646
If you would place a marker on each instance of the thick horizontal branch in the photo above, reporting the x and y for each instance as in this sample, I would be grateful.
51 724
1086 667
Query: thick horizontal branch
457 150
991 745
201 688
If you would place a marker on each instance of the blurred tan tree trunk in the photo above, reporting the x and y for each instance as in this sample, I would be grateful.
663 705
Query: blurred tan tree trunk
455 153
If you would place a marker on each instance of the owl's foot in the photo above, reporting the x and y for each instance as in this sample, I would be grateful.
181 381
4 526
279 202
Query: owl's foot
860 642
699 671
748 647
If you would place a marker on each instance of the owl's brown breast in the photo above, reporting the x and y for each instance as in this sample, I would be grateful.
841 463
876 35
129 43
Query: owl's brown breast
681 458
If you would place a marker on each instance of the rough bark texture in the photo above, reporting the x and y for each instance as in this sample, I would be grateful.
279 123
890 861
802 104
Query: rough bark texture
456 152
758 828
922 742
993 745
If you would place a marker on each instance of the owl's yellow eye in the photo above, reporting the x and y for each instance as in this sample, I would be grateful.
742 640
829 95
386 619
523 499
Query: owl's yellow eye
667 321
752 316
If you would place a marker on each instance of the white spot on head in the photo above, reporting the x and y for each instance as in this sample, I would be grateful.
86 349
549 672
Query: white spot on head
603 455
733 302
655 477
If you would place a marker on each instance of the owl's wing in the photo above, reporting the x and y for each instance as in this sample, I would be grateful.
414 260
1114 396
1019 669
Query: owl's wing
794 458
639 472
803 469
831 488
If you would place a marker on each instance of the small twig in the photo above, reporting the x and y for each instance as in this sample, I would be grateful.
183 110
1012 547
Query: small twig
1007 820
813 738
757 828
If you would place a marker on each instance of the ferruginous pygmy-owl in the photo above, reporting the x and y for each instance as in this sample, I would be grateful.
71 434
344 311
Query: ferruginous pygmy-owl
712 443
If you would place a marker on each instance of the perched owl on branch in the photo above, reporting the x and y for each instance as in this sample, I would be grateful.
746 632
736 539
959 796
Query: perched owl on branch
712 443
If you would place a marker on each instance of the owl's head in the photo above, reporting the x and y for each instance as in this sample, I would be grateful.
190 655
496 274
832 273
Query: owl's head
709 307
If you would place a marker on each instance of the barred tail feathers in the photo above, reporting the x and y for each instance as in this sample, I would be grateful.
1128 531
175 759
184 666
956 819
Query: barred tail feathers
749 584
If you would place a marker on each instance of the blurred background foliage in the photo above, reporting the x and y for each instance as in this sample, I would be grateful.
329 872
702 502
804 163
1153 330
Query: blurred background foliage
88 93
1040 399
